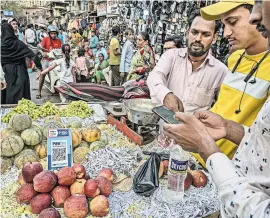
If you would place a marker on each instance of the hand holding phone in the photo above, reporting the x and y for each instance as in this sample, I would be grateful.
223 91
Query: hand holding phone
166 114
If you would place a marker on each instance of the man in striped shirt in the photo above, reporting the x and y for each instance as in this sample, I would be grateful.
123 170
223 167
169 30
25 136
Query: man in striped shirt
240 99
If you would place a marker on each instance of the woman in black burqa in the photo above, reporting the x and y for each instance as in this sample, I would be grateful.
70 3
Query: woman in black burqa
13 60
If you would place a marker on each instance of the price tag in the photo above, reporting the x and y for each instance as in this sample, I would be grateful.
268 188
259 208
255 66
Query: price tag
59 149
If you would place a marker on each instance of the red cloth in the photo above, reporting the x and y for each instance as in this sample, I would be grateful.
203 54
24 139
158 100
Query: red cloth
49 44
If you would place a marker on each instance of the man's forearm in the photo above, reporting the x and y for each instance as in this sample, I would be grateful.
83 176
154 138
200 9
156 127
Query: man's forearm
235 132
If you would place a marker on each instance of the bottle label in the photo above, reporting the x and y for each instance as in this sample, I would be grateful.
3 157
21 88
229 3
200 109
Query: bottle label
178 167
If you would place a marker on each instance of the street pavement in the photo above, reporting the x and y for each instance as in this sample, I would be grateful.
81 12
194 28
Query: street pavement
46 95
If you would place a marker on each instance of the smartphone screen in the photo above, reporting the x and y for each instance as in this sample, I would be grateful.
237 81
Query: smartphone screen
165 114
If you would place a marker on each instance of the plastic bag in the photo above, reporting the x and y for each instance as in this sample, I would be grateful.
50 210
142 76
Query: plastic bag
146 180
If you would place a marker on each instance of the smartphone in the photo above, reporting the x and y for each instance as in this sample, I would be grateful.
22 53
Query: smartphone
165 114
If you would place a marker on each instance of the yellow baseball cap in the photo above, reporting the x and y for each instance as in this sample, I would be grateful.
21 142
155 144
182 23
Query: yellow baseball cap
213 12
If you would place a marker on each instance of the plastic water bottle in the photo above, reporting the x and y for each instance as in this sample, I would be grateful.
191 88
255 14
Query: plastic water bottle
177 172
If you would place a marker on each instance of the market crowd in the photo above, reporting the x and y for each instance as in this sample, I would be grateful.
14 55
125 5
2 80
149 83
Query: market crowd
85 57
225 107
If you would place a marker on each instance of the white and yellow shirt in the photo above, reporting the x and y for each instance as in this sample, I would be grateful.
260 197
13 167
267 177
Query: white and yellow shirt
234 88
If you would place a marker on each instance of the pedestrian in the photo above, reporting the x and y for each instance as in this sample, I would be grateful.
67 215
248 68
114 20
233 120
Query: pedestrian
101 50
103 64
115 56
174 41
82 67
47 44
60 36
30 36
14 23
243 183
37 32
144 59
66 68
42 33
93 42
127 54
76 38
13 55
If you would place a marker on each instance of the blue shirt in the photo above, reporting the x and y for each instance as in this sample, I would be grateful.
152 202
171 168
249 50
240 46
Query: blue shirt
102 51
93 43
61 37
126 56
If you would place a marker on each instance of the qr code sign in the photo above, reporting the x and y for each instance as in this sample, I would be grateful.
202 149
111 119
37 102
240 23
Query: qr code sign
59 151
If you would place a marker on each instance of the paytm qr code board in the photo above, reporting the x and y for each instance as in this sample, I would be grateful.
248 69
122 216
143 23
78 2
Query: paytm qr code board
59 149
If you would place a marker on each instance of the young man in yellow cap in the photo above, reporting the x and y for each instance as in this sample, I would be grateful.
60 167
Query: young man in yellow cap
244 182
246 87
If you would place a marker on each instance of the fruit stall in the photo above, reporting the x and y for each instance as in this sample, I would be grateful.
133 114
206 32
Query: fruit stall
106 157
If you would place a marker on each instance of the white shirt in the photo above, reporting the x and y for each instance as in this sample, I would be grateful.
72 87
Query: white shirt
244 182
30 36
197 89
65 73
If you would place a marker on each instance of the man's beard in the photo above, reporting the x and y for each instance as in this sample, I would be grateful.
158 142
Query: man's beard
197 53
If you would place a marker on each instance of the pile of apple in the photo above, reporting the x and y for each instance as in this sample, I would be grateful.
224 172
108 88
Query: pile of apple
197 178
69 188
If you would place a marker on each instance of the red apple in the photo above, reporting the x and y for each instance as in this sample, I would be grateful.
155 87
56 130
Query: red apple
45 181
66 176
199 178
49 213
25 193
78 187
30 170
99 206
40 202
79 170
91 188
104 185
188 181
60 194
76 207
106 173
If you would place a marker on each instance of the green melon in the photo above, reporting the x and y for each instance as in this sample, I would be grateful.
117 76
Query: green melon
32 136
74 124
20 122
37 125
53 118
97 145
84 144
8 132
79 155
51 125
24 157
104 139
11 145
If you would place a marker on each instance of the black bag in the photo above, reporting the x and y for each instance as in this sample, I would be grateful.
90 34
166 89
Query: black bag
146 179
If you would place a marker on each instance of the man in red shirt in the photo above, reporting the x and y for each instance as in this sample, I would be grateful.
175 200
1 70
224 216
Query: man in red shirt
48 43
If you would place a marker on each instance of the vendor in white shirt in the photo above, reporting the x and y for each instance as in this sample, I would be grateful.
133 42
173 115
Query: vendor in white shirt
243 182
